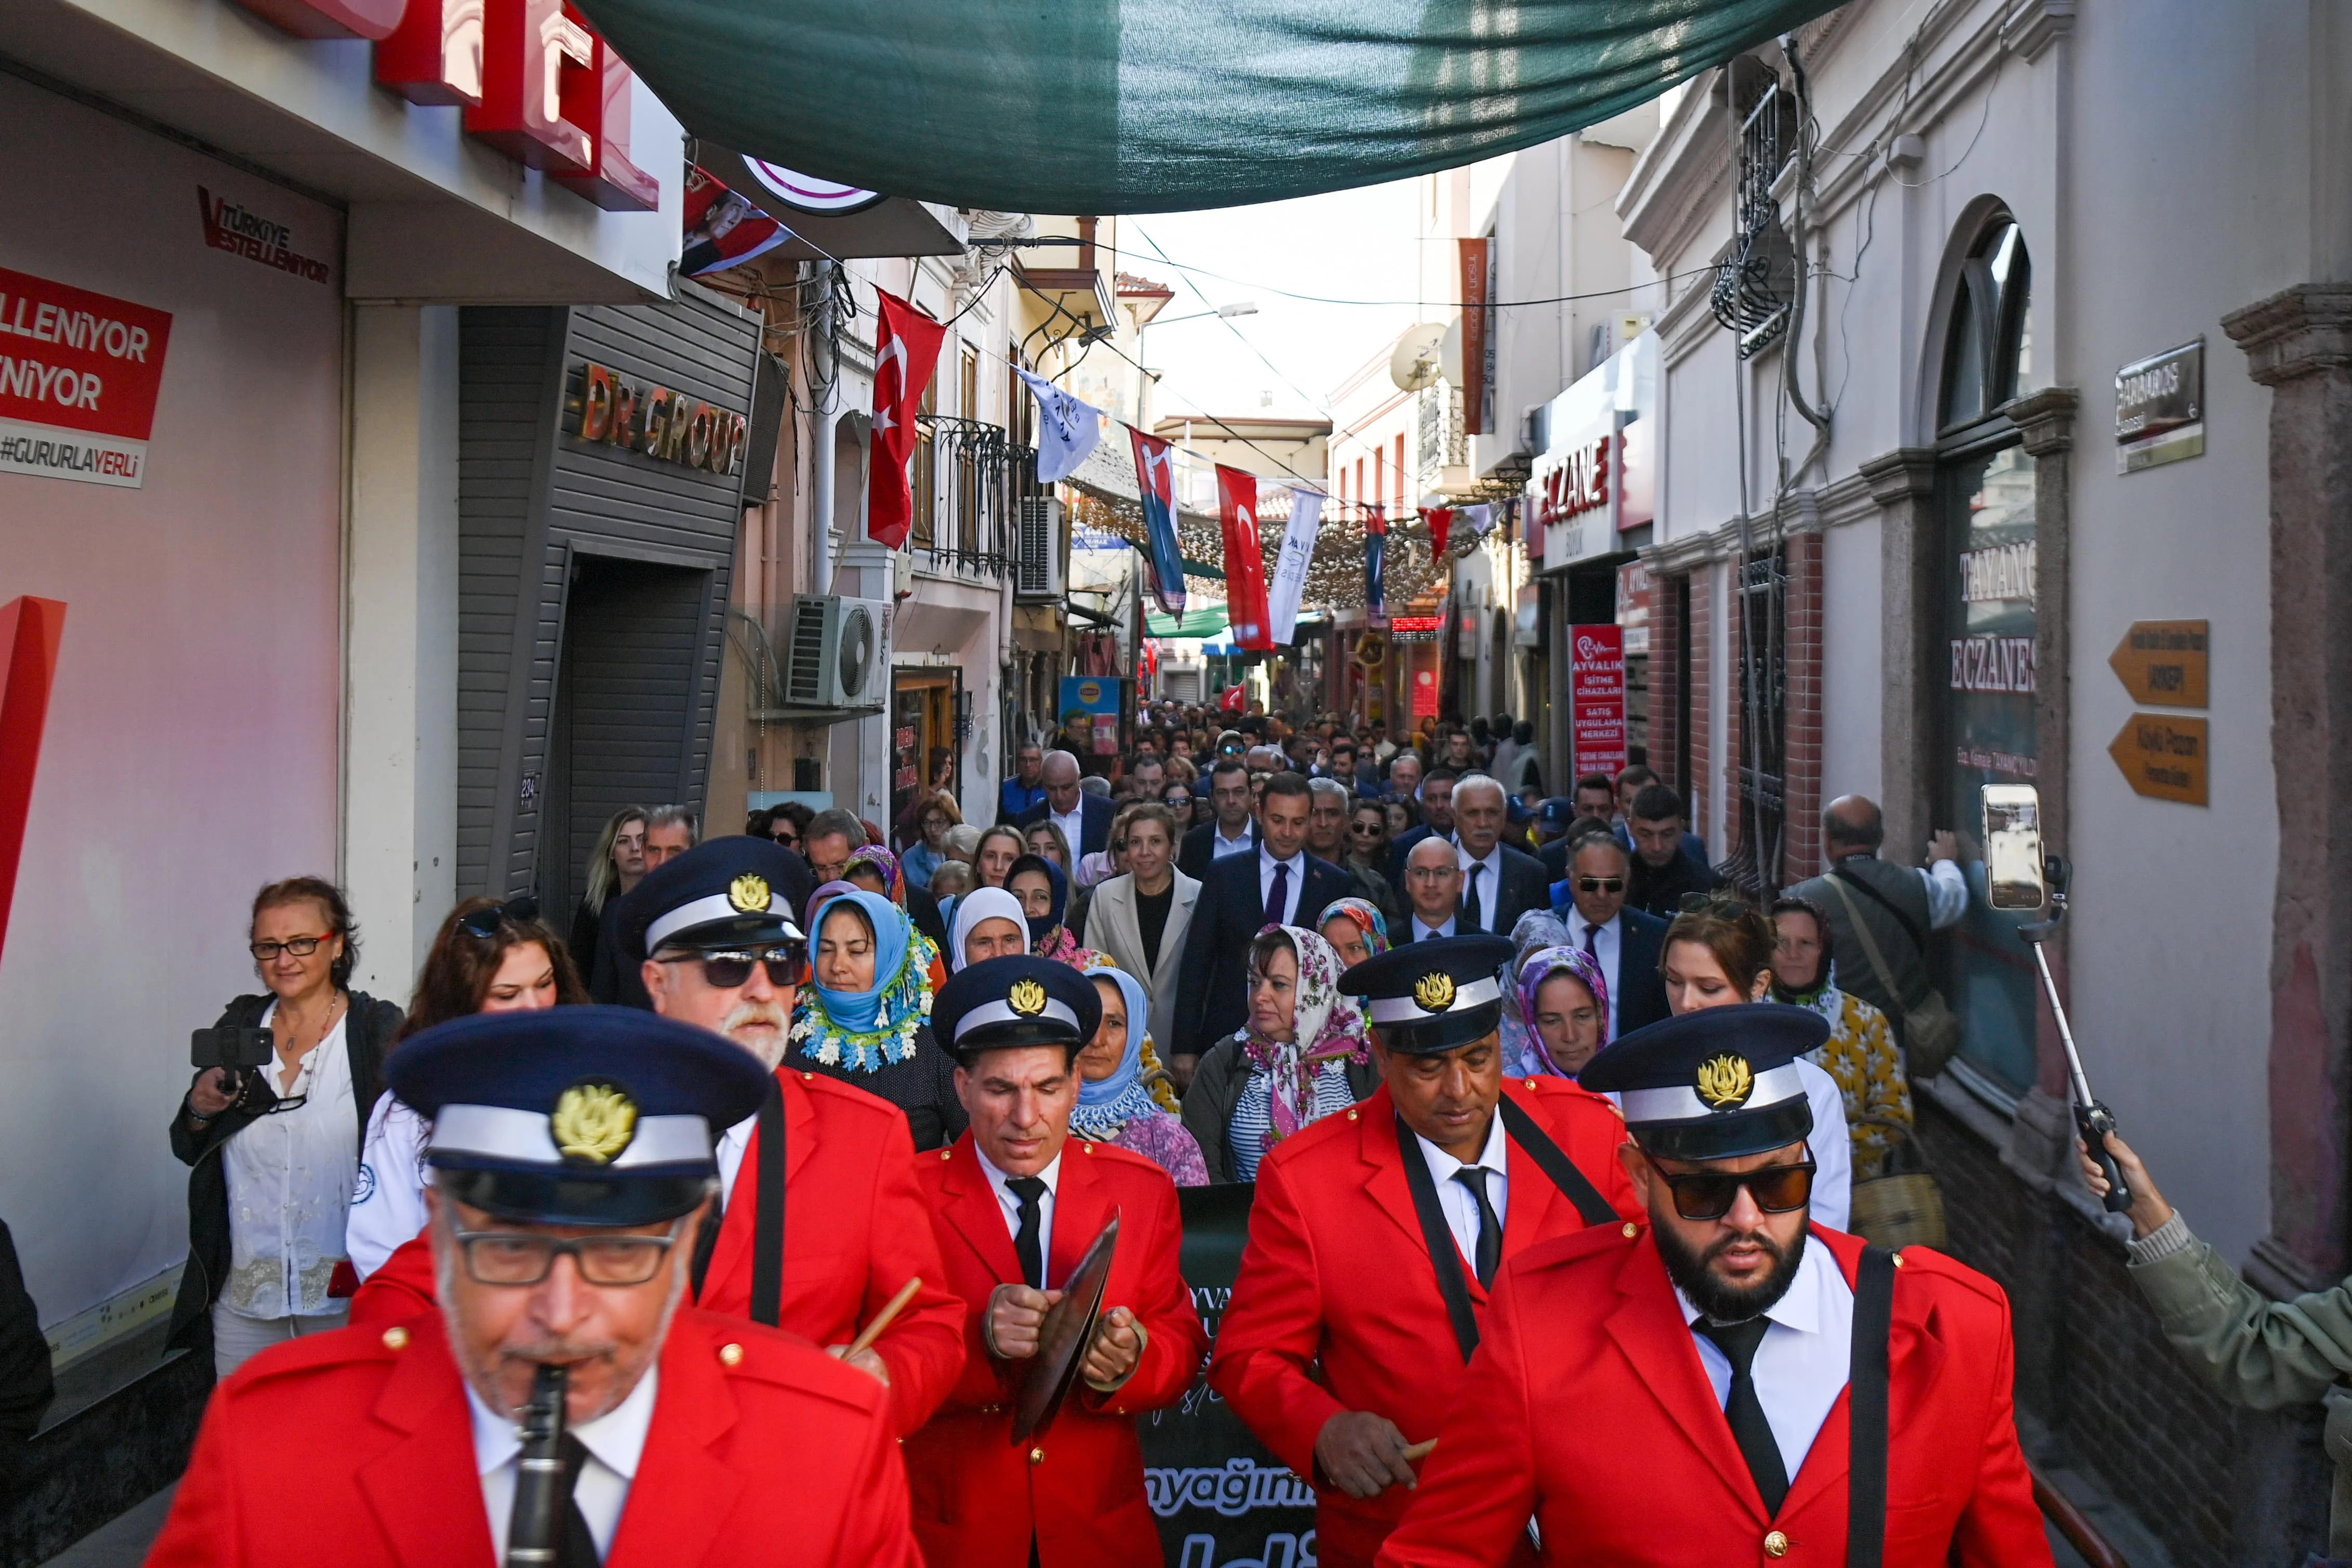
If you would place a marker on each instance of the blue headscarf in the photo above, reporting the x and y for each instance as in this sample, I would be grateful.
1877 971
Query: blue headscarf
866 1028
1105 1108
1041 925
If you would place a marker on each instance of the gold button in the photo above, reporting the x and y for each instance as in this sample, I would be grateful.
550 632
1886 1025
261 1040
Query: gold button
731 1355
1776 1545
1531 1083
1351 1116
1632 1229
947 1153
1087 1148
807 1077
1036 1455
396 1339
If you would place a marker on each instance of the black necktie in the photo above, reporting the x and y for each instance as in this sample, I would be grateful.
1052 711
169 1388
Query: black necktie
1738 1341
1490 1225
576 1548
1592 932
1277 898
1029 1189
1477 915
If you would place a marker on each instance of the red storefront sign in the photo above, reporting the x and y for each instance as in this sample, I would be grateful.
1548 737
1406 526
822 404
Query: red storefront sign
1424 694
1596 696
80 373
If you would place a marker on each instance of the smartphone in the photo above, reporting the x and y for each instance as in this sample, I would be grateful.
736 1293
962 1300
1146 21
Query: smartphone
230 1046
2012 841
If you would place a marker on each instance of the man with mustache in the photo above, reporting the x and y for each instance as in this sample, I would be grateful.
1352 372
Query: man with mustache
574 1153
1713 1386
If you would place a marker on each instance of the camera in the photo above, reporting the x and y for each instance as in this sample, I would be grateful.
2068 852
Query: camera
232 1047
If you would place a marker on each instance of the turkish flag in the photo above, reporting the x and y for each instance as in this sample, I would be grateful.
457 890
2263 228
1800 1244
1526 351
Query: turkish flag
1244 559
1441 527
906 349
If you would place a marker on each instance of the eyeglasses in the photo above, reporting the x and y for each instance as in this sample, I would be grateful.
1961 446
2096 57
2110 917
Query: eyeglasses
1722 905
1600 884
1709 1195
300 946
1430 873
728 969
485 923
507 1258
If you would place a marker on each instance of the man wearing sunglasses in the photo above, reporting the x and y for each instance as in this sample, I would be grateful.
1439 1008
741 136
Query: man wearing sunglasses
1702 1389
573 1150
1625 943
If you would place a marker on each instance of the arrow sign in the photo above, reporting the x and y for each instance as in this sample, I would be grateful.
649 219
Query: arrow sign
2163 757
2163 662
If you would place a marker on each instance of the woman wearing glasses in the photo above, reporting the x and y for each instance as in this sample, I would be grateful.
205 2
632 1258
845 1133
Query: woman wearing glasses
487 957
274 1151
861 1019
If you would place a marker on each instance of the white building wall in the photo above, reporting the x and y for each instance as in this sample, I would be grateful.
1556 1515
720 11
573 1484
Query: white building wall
1852 688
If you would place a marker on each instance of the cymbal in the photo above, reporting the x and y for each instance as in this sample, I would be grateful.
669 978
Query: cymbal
1063 1337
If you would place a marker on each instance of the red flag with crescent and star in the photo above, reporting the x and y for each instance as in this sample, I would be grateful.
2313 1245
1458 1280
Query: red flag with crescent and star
1245 604
905 349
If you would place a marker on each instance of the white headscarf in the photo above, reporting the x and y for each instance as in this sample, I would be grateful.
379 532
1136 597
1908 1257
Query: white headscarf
983 904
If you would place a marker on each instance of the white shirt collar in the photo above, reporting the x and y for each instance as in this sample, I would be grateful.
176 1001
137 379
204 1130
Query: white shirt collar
1218 829
1426 930
1442 1165
1269 857
1493 859
617 1437
1800 1306
1051 1175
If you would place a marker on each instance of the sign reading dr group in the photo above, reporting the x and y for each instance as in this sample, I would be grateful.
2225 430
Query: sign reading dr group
78 377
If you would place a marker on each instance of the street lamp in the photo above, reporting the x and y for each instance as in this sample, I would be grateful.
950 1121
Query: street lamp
1238 308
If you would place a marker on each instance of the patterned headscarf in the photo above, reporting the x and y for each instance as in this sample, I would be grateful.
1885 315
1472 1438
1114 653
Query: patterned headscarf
1534 970
1367 917
894 882
1105 1109
870 1027
1325 1026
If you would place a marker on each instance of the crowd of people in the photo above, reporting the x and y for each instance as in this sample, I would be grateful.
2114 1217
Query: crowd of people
1443 1020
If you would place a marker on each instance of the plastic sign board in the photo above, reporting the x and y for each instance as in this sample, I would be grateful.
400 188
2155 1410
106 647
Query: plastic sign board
2160 408
2163 757
2163 663
80 373
1597 697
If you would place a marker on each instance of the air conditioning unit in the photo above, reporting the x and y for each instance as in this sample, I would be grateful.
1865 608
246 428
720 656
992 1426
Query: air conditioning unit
1037 551
833 652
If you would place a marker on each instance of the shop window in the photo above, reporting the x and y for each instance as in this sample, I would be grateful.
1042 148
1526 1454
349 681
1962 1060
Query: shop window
1986 527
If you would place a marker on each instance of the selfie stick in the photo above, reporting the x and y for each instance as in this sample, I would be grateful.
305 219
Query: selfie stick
2093 1118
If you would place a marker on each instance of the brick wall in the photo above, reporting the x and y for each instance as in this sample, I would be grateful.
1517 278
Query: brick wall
1801 847
1702 694
1667 634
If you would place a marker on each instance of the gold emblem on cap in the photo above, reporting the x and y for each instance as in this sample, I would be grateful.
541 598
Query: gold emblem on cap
1434 992
749 893
1027 998
1725 1082
593 1121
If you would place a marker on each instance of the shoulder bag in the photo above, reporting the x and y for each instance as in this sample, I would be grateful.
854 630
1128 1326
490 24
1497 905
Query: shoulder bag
1930 1029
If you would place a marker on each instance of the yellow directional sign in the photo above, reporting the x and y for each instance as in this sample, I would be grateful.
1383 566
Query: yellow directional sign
2163 757
2163 662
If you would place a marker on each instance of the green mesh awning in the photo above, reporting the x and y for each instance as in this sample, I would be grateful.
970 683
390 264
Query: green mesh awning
1102 106
1203 623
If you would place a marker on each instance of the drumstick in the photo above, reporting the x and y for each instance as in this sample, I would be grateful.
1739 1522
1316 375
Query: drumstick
1415 1452
890 1309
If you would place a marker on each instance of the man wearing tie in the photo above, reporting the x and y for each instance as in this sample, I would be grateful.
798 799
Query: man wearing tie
1432 886
1624 942
1499 883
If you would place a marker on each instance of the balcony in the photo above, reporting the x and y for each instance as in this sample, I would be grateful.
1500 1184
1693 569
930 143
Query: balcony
969 479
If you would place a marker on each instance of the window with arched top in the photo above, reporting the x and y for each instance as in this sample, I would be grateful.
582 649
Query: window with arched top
1984 498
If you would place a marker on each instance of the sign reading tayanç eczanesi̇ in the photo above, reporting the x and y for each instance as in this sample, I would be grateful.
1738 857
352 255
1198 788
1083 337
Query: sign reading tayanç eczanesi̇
667 426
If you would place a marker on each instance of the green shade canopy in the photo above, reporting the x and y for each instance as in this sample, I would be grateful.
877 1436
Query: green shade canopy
1207 622
1097 106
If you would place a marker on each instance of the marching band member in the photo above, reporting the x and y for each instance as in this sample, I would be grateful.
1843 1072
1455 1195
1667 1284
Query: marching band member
1375 1235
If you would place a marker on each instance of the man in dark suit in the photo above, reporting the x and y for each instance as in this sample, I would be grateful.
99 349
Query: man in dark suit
1279 884
1434 794
1084 819
1432 884
1499 883
1625 941
1232 831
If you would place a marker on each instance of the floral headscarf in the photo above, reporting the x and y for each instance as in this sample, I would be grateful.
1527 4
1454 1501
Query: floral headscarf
1367 917
1326 1026
1105 1109
1534 970
866 1029
894 882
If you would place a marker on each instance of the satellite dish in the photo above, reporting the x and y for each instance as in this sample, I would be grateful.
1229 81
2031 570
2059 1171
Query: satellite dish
1414 364
1449 351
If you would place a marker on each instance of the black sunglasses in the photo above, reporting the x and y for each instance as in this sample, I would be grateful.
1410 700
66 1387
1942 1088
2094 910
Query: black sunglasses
485 923
1366 829
1600 884
729 968
1709 1195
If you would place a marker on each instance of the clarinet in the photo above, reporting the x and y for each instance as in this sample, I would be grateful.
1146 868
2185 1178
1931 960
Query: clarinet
534 1528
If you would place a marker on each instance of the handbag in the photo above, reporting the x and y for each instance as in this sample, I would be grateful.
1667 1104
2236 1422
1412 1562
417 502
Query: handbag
1930 1030
1902 1206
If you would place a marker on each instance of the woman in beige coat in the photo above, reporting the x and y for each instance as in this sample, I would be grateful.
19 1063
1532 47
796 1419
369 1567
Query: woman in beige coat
1139 918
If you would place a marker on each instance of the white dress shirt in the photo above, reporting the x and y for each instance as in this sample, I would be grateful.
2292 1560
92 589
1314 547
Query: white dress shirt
1009 1202
1220 845
388 1198
1423 931
1461 1208
1486 888
615 1441
1947 894
1073 826
1266 865
1833 1148
1607 948
733 1144
1803 1360
290 1177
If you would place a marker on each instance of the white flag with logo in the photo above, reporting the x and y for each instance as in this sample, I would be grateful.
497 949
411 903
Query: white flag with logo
1067 429
1290 567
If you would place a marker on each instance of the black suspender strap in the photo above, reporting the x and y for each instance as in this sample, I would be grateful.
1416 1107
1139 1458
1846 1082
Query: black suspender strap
1573 1185
1438 1237
767 1218
1873 1313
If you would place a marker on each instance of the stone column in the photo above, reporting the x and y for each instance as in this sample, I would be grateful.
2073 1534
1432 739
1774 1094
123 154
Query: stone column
1903 483
2299 345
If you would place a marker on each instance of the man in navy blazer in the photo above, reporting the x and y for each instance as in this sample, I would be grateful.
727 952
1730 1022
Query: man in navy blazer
1237 897
1626 942
1225 833
1067 805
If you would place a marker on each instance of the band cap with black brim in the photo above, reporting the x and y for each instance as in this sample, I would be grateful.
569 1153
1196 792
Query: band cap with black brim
1715 1084
1431 996
1014 1001
724 892
575 1116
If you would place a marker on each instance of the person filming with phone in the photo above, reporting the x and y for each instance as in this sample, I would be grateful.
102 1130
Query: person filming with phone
271 1129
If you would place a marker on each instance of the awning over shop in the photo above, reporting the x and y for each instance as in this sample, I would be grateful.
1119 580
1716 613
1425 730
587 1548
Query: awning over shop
1207 622
1102 106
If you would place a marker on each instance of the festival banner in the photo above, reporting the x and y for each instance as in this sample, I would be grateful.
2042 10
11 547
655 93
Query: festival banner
905 349
1290 567
1441 528
1376 542
1477 347
1155 482
1067 429
1245 604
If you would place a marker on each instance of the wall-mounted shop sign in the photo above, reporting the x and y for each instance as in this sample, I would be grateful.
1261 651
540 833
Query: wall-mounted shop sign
1597 694
666 426
80 373
1597 476
2163 757
1415 629
2163 662
1993 664
2160 408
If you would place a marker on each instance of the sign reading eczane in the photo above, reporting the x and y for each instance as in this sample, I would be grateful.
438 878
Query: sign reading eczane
666 426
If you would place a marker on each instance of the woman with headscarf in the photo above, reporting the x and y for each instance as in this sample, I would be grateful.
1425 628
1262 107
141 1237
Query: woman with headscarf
1860 1052
877 870
1044 896
1356 930
1563 998
989 923
1124 1096
863 1016
1301 1056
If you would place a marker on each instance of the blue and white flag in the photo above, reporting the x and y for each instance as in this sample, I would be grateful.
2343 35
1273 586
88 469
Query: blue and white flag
1290 566
1067 429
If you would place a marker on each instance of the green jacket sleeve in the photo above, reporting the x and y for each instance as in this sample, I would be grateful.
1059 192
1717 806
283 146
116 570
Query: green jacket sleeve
2251 1351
